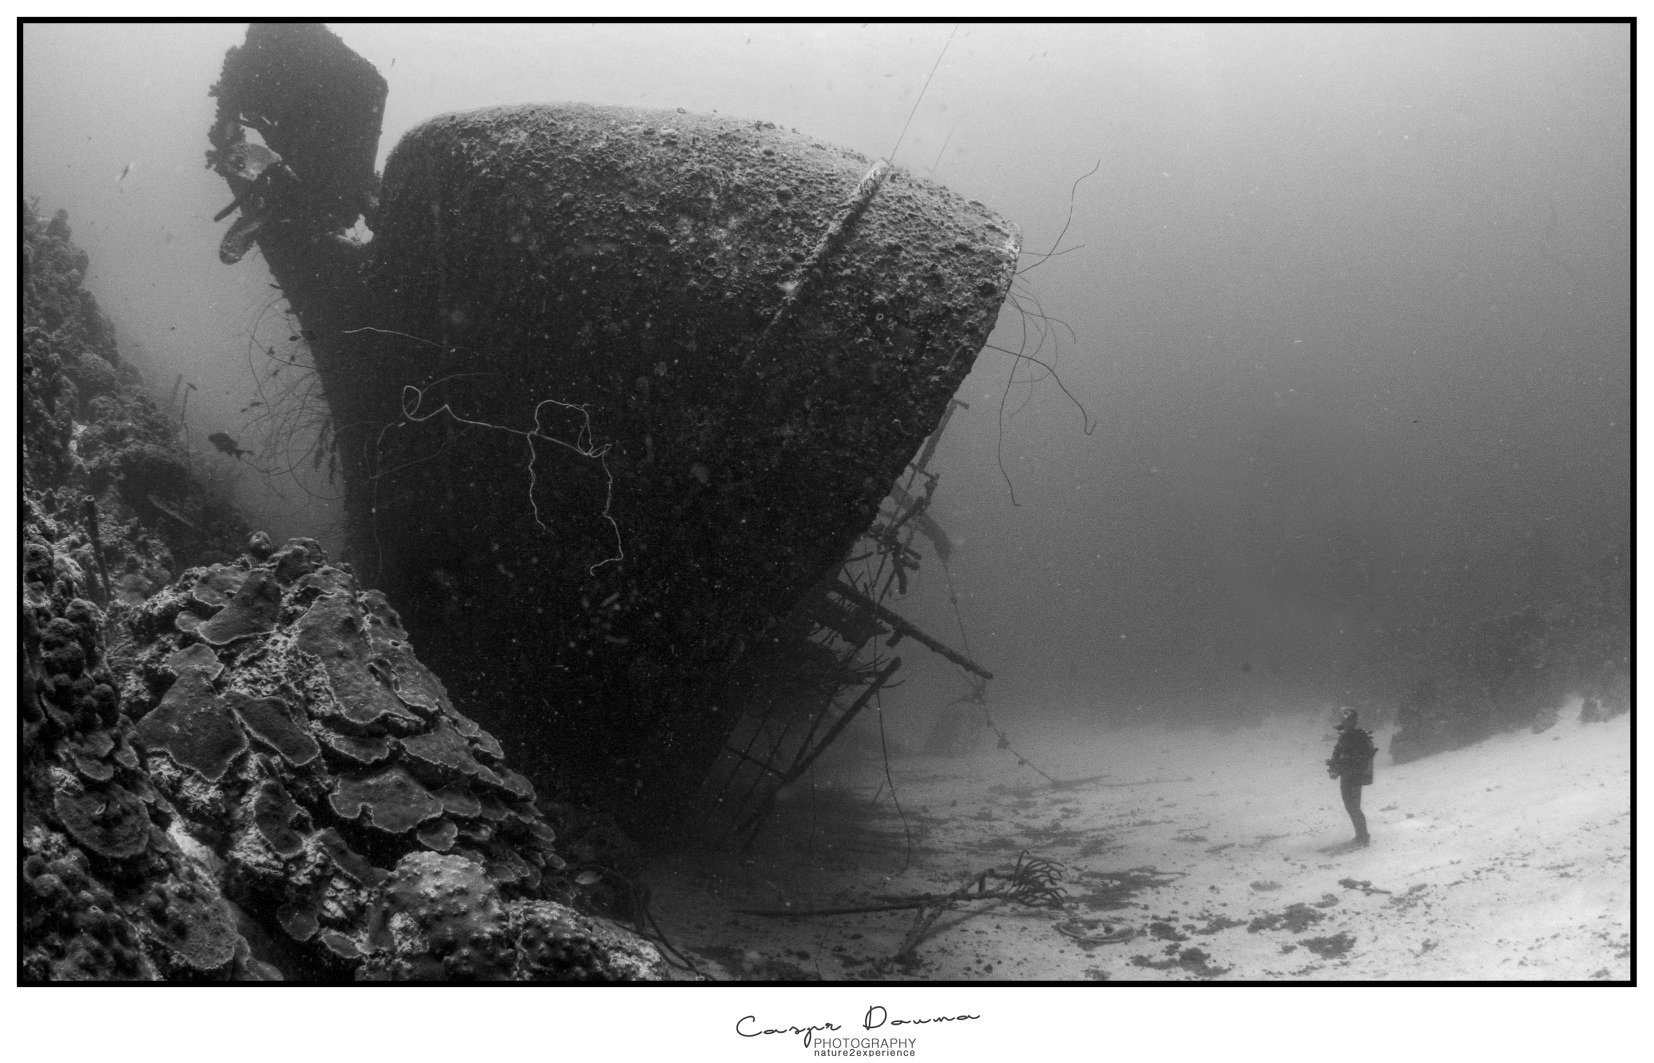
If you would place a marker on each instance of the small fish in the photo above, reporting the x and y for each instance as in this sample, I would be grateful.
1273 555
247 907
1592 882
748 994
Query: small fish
227 445
172 511
250 406
124 171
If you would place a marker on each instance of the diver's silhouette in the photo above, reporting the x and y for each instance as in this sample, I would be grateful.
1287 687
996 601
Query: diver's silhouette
1351 764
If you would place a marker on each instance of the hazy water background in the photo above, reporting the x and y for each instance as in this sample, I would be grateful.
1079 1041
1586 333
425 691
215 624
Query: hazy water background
1351 313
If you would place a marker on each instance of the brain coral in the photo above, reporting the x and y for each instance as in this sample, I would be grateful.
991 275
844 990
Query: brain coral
440 917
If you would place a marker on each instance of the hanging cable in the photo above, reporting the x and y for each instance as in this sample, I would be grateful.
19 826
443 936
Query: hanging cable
979 687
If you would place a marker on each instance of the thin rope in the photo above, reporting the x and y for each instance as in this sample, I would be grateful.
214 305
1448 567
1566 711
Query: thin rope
892 156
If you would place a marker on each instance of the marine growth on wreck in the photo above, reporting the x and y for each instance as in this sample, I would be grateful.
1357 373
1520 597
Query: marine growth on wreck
614 390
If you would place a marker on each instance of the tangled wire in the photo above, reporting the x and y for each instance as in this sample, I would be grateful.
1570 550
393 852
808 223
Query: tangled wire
413 398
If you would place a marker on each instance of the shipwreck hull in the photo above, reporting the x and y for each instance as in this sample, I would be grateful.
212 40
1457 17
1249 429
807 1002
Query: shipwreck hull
613 389
757 393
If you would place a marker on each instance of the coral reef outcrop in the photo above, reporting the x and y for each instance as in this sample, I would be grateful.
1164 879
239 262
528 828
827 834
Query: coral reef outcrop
1516 670
243 772
90 430
108 891
283 714
440 916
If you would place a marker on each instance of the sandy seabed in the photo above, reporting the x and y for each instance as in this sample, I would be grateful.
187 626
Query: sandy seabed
1187 855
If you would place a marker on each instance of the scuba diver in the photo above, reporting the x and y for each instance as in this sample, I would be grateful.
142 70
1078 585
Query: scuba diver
1351 764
